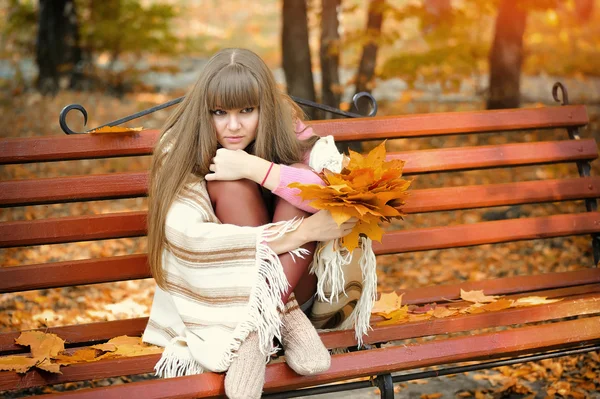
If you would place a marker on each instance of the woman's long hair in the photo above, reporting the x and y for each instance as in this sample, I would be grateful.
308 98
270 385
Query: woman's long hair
231 79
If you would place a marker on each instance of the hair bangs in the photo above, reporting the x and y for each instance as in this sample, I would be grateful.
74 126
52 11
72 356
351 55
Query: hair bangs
233 87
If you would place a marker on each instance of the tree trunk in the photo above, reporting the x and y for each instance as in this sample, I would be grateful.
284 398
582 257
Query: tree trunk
296 52
330 56
366 69
506 57
57 46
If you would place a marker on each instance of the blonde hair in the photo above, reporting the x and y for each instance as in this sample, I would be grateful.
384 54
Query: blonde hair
231 79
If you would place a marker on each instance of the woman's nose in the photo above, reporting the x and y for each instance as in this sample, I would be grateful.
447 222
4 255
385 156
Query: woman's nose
234 123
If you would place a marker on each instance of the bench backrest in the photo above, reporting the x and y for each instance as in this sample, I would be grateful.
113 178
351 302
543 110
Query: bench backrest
134 184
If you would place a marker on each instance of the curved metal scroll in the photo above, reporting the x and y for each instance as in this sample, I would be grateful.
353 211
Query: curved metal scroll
62 118
563 91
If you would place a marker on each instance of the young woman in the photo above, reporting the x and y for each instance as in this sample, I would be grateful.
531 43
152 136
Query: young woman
224 252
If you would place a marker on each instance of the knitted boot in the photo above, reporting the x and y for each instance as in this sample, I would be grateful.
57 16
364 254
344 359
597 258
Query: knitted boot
246 375
304 350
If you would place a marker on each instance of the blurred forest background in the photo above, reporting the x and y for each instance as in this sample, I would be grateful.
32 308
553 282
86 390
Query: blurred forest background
117 57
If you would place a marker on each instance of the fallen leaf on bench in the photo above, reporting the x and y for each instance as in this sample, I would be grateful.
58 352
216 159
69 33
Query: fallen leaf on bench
442 311
42 345
386 304
436 395
20 364
48 366
397 316
476 296
534 300
500 304
116 129
80 356
126 346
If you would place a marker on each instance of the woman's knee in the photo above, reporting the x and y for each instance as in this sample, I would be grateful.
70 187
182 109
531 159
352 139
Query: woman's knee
239 189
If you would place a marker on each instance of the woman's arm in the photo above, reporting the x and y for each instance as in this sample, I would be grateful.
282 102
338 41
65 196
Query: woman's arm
235 165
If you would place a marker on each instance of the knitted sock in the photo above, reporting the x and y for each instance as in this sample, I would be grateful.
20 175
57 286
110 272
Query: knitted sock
246 375
304 350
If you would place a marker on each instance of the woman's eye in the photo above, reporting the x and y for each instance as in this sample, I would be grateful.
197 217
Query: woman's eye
218 112
248 110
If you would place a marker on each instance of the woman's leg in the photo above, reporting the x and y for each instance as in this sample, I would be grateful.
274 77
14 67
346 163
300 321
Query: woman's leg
240 202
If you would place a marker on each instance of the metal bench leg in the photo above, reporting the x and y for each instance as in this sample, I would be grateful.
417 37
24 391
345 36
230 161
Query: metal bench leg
386 386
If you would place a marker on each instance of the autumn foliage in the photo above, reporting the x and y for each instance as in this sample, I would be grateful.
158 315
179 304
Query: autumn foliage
368 188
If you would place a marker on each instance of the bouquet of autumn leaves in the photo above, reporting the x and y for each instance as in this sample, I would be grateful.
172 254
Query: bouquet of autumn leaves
368 188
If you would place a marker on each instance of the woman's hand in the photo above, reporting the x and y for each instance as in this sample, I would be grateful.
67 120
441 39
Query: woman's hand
318 227
230 165
322 227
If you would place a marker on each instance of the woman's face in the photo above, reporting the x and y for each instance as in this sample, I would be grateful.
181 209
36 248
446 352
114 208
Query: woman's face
236 128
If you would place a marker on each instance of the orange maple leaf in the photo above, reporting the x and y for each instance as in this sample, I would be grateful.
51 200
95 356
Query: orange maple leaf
368 188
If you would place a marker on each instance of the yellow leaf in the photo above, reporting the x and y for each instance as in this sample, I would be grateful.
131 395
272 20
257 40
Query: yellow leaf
500 304
20 364
396 316
42 345
80 356
441 311
116 129
534 300
127 346
387 303
476 296
48 366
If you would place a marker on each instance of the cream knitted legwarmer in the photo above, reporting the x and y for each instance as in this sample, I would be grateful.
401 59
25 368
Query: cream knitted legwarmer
246 375
304 350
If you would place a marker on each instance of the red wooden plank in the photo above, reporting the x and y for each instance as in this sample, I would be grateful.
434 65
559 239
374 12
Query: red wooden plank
552 285
280 377
113 145
446 123
492 156
70 229
75 188
126 185
481 196
488 233
84 146
70 273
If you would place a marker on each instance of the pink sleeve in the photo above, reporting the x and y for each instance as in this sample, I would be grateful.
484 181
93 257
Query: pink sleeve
289 174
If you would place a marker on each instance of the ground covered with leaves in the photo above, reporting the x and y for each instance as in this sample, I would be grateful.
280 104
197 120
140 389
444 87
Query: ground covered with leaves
29 115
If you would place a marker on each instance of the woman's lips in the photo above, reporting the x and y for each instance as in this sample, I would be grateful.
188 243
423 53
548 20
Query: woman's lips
234 139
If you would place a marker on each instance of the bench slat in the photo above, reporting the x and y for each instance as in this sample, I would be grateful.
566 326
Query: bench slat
489 195
72 229
133 224
488 233
128 185
90 146
558 285
85 146
492 156
279 376
447 123
73 189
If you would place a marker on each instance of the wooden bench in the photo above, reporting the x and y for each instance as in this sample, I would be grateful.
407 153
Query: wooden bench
514 335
